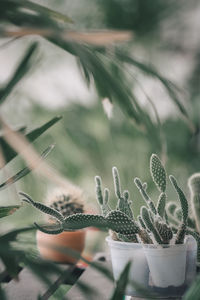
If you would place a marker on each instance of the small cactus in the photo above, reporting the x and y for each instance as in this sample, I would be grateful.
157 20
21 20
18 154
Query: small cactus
158 173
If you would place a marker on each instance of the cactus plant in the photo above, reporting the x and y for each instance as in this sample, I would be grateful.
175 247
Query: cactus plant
152 225
176 214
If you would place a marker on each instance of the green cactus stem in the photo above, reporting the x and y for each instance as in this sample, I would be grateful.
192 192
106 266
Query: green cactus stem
164 231
158 173
144 212
50 229
144 194
161 204
45 209
123 200
117 184
115 220
141 222
181 234
171 207
182 198
102 200
194 186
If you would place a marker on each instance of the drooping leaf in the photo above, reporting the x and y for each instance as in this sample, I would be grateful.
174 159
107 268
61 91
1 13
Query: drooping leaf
8 210
20 72
24 171
9 153
151 71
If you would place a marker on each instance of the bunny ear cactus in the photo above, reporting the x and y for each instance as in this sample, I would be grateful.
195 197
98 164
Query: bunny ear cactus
115 220
152 226
159 177
161 204
124 204
184 208
158 173
123 200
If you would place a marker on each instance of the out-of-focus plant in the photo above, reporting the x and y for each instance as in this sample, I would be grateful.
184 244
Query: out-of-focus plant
95 62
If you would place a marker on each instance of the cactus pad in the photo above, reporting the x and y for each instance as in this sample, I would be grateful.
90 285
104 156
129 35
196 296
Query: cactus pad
158 173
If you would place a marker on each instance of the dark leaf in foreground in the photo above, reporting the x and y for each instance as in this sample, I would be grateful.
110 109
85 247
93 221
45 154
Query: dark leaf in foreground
121 284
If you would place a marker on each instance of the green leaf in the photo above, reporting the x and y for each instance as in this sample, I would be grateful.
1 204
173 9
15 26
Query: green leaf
10 153
8 210
150 70
20 72
24 171
194 291
121 284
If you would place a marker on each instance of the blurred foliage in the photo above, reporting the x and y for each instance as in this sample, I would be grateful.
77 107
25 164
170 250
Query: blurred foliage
87 142
141 16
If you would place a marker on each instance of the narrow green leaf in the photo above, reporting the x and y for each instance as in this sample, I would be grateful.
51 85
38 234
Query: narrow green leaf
24 171
8 210
10 153
194 291
150 70
20 72
121 284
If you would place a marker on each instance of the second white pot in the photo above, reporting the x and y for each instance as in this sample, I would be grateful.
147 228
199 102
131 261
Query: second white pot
167 264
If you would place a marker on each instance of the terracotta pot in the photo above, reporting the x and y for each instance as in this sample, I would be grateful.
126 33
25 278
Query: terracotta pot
74 240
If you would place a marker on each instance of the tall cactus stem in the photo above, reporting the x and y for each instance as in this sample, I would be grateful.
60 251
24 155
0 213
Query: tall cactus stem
148 222
145 196
182 198
161 204
158 173
117 184
181 234
99 195
45 209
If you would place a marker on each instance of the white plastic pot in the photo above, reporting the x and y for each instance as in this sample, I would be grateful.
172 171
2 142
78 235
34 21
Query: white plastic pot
167 264
121 254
